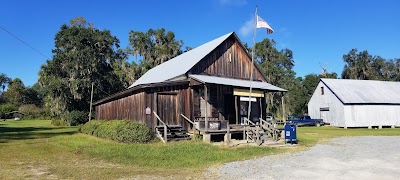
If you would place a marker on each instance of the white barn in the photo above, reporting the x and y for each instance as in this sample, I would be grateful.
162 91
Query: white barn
356 103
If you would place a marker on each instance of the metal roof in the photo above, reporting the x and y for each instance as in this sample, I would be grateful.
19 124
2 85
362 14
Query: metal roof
179 65
235 82
351 91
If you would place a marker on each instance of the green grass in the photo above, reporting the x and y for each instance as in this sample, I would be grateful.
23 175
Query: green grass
309 136
37 150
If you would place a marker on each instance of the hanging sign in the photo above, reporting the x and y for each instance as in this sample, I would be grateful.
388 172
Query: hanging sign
148 111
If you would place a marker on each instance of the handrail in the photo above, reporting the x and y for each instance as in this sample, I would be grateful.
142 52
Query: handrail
194 126
262 121
191 122
165 127
246 130
248 121
270 125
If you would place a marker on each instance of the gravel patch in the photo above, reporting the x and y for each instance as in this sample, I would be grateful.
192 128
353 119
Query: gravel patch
369 157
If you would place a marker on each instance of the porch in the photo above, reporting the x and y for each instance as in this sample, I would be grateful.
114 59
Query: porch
226 106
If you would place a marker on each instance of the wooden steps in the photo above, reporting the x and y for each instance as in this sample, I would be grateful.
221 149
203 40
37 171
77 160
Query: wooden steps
174 133
260 132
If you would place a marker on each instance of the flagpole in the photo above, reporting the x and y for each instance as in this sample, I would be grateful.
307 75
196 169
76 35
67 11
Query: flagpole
252 64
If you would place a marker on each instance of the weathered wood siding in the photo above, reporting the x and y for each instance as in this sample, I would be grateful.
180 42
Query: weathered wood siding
174 100
130 107
228 60
169 101
221 101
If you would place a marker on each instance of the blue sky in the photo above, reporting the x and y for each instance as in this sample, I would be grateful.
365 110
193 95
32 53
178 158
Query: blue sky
319 32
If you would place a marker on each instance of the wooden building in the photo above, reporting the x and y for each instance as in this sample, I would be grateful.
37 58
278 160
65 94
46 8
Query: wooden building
356 103
208 86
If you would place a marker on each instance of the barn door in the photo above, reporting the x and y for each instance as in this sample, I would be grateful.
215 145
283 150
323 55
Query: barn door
167 108
324 114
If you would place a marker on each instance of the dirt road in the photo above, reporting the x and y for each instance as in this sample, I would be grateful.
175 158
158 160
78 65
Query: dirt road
374 157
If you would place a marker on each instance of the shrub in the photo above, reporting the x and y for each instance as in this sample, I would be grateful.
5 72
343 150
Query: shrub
75 118
5 108
59 122
31 111
118 130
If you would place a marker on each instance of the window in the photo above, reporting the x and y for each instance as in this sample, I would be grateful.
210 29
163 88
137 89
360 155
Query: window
322 90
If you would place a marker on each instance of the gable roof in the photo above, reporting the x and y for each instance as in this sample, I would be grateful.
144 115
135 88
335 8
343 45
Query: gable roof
351 91
181 64
236 82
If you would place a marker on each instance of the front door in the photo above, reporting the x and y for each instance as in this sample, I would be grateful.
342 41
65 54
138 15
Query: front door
244 107
167 108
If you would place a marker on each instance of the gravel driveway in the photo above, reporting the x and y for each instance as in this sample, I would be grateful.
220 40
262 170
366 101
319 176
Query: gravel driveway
371 157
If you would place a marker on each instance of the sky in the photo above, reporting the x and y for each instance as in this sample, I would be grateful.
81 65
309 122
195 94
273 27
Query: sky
318 32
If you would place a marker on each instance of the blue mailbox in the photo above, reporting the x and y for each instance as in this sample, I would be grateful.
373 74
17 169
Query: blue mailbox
290 133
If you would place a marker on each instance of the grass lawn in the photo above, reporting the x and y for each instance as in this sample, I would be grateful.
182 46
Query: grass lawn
37 150
309 136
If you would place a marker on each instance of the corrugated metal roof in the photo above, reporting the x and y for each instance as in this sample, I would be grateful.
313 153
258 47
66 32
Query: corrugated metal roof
235 82
351 91
179 65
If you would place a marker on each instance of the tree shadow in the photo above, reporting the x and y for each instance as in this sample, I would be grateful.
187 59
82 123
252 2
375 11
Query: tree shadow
23 133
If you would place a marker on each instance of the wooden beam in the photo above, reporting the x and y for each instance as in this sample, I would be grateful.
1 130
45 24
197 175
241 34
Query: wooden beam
206 107
155 105
236 111
261 107
168 92
191 103
283 108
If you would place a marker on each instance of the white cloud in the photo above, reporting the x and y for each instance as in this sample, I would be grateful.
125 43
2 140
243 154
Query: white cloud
233 2
247 27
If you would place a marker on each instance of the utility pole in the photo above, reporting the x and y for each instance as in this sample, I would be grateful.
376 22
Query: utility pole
91 102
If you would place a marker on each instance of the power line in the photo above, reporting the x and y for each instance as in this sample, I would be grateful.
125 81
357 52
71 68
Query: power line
24 42
101 89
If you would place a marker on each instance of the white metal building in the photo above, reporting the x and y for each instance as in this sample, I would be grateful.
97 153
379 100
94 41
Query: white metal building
356 103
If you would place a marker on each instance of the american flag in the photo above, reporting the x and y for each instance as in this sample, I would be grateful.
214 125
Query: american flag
263 24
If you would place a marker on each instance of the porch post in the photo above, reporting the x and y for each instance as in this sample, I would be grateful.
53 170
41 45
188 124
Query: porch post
206 106
265 104
283 108
236 111
261 108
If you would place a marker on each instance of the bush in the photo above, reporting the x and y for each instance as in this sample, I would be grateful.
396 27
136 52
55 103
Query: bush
118 130
75 118
31 111
59 122
5 108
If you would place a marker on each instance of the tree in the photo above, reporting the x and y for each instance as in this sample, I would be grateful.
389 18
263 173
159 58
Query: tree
4 80
391 70
82 55
34 95
154 47
125 71
278 68
15 92
276 64
364 66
